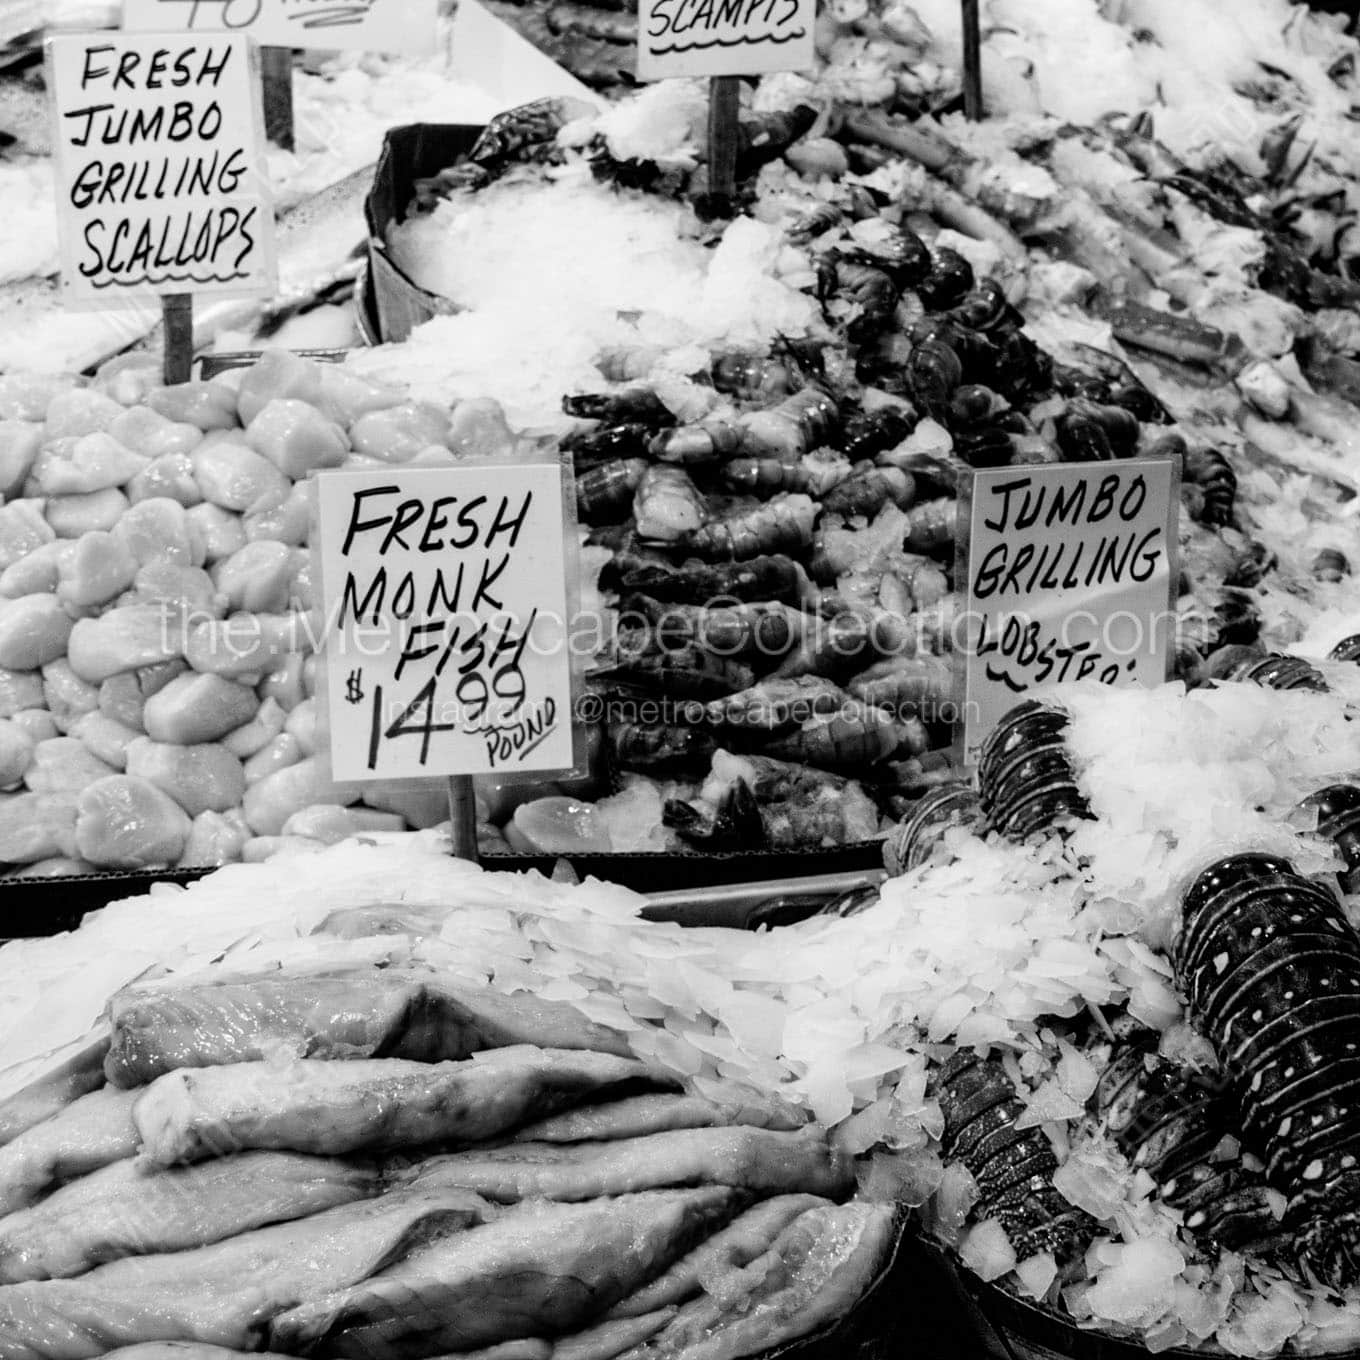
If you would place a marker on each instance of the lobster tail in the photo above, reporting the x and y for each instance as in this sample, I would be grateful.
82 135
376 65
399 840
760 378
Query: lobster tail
1025 776
1271 968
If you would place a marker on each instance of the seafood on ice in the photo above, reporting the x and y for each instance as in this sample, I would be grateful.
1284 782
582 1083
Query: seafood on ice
337 1202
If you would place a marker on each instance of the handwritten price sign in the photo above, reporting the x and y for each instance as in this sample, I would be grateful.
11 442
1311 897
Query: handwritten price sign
161 184
369 25
723 37
446 600
1070 575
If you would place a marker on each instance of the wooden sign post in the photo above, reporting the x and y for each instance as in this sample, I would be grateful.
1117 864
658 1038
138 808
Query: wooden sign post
1069 572
276 64
972 62
282 25
724 41
446 601
160 176
724 104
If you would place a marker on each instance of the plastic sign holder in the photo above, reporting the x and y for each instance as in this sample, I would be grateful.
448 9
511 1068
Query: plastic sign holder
447 611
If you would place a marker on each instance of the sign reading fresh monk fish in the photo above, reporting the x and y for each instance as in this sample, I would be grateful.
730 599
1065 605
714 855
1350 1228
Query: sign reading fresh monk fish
446 602
723 37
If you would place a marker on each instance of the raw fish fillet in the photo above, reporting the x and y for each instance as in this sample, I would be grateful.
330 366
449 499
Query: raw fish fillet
89 1133
639 1115
815 1272
130 1209
225 1294
540 1270
380 1014
766 1162
70 1079
185 1350
744 1239
333 1108
606 1340
526 1349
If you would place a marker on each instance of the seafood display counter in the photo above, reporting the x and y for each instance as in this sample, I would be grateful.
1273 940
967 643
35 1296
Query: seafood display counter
1071 1072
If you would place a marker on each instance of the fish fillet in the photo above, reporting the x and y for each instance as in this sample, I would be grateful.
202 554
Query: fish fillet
70 1079
130 1209
608 1339
639 1115
744 1239
334 1108
540 1270
185 1350
225 1294
88 1133
382 1015
814 1273
761 1160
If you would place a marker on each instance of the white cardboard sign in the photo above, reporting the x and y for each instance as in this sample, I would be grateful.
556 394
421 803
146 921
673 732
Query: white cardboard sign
445 627
160 175
723 37
1069 571
369 25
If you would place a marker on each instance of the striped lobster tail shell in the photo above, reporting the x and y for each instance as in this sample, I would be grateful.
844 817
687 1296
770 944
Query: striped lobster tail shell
1276 671
1271 968
910 843
1338 813
1013 1167
1169 1121
1025 777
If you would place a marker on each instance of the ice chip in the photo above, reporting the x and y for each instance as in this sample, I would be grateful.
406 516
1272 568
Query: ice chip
987 1251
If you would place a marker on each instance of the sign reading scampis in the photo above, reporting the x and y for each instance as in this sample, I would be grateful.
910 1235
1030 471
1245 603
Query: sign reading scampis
365 25
723 37
161 186
1070 573
445 596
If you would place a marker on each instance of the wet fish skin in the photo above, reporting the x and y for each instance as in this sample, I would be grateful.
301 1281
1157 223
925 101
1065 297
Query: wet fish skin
760 1160
225 1294
640 1115
75 1076
382 1014
89 1133
160 1030
539 1270
331 1109
742 1241
127 1209
791 1291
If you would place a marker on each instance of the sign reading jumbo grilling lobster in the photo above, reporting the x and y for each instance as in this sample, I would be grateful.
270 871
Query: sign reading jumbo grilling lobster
1070 574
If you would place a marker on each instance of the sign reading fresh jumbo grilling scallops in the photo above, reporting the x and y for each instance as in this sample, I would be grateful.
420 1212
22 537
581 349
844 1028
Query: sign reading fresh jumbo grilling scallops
1070 572
445 629
160 177
723 37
